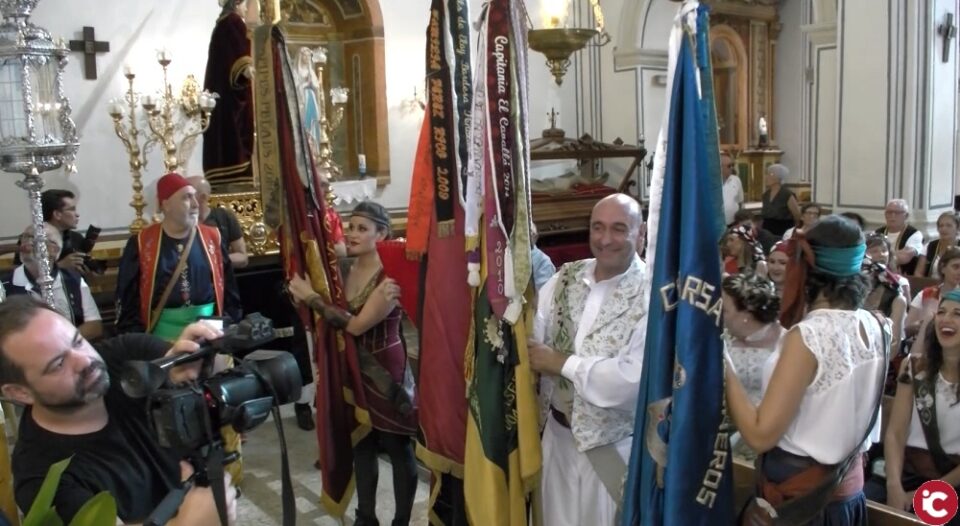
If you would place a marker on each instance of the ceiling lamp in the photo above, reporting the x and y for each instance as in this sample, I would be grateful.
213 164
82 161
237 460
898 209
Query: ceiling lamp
558 42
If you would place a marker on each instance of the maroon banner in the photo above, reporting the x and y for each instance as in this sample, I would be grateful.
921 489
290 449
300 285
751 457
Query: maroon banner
307 248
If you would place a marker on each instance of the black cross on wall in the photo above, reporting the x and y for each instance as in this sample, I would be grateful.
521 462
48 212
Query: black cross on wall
89 47
948 31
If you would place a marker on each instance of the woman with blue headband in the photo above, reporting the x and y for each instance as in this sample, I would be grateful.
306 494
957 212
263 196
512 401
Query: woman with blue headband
822 387
922 441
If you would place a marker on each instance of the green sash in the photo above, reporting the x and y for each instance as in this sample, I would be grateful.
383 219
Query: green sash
173 321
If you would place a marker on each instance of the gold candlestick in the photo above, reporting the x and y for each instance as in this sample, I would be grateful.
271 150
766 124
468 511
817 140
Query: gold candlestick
130 137
167 117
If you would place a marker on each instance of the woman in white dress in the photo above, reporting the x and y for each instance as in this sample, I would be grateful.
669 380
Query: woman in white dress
922 441
822 386
750 309
752 331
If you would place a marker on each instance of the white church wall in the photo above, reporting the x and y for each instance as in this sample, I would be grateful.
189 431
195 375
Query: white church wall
942 91
866 64
135 30
641 47
788 85
878 72
927 149
821 104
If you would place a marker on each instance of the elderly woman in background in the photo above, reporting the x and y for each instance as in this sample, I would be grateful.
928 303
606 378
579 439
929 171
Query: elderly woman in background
743 252
922 441
781 210
777 266
822 386
808 216
947 226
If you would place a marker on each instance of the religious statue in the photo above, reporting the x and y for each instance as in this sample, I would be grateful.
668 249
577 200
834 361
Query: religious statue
228 142
311 109
763 138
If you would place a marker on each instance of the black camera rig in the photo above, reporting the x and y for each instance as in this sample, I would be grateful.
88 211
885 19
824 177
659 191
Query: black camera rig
188 417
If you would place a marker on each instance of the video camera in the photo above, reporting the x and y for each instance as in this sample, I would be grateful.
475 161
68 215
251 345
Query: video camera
184 416
187 418
97 266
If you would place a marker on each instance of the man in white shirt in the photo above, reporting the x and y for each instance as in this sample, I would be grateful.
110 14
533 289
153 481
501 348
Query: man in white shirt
907 241
732 188
588 340
71 294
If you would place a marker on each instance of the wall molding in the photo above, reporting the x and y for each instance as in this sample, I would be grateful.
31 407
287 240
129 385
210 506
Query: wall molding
639 57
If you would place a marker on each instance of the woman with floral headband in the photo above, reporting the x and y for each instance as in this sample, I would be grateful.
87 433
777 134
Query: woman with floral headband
886 288
752 331
743 251
822 387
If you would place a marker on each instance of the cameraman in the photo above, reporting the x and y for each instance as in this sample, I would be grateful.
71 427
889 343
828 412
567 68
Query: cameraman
76 408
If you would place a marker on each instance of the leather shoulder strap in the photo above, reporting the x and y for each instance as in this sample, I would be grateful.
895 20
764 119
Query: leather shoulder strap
925 400
182 262
800 509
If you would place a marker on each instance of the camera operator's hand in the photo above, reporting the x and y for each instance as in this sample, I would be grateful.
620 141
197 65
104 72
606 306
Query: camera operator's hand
198 506
74 261
190 339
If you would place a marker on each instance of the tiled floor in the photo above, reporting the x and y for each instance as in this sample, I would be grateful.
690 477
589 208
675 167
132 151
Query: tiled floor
260 504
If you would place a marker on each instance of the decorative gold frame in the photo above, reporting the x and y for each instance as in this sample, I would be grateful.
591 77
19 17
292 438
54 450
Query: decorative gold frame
247 206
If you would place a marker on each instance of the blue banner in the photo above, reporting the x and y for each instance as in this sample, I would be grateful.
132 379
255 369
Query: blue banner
680 471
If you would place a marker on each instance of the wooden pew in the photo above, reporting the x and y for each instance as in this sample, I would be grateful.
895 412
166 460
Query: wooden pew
877 514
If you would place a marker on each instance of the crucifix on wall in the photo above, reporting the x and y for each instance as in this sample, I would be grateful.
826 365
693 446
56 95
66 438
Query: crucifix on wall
947 31
89 46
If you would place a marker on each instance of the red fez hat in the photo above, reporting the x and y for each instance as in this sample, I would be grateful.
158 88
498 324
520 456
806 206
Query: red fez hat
168 185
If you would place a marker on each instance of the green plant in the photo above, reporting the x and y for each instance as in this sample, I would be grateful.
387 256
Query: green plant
101 510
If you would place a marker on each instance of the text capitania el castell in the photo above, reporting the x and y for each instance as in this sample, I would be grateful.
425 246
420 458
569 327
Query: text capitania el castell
696 292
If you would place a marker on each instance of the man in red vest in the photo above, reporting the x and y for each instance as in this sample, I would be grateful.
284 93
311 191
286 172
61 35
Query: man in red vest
176 271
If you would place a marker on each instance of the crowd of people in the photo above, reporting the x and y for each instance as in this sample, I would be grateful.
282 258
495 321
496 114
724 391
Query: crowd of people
812 323
847 315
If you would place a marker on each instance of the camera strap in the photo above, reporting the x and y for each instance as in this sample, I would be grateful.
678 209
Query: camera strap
215 476
286 484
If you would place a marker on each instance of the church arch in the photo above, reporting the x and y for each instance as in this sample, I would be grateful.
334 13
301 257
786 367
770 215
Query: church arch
730 74
352 32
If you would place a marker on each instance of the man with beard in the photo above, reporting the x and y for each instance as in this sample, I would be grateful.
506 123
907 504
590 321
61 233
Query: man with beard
176 271
75 409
